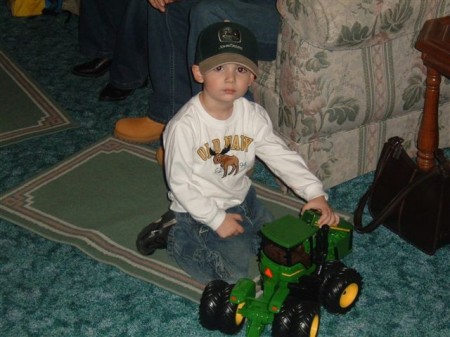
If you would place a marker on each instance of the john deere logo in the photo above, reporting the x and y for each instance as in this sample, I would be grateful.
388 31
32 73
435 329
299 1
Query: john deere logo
229 34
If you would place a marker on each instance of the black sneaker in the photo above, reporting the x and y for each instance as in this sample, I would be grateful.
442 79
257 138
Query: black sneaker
154 236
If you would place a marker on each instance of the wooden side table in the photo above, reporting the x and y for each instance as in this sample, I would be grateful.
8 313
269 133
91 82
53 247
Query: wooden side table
434 43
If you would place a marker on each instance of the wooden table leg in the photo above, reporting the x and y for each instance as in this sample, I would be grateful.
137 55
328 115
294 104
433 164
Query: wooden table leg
428 138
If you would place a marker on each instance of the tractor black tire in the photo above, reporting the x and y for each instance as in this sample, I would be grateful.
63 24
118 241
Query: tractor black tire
211 304
282 322
330 269
339 293
230 322
297 319
308 320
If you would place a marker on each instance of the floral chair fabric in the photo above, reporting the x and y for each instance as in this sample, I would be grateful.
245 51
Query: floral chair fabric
346 78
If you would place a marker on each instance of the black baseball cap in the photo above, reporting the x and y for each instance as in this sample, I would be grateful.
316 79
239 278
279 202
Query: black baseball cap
226 42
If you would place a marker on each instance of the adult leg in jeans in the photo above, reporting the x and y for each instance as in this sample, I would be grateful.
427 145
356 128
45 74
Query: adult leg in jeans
129 69
169 73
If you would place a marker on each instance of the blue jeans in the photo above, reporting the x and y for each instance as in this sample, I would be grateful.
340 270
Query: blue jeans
175 33
205 256
167 56
117 30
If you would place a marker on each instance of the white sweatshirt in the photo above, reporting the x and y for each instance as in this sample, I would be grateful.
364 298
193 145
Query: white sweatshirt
200 186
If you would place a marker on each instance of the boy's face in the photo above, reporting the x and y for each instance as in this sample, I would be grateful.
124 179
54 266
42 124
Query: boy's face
226 82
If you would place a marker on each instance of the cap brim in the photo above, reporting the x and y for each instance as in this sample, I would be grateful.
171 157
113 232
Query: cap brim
224 58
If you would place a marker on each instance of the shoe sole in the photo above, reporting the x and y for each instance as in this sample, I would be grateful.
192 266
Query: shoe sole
90 75
136 140
111 99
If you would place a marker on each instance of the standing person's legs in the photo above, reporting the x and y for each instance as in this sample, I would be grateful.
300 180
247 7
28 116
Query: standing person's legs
169 73
261 17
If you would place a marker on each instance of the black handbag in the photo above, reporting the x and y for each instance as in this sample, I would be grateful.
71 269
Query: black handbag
410 202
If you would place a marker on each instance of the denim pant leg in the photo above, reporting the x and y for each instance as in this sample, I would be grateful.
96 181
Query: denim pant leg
261 17
169 71
200 252
129 69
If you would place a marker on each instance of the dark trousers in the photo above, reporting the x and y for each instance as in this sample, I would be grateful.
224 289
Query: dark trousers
117 29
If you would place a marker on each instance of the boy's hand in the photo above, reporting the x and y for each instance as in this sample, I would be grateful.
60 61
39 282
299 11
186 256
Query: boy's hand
230 226
328 217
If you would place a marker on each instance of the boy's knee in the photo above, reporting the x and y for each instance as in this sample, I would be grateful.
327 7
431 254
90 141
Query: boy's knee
229 271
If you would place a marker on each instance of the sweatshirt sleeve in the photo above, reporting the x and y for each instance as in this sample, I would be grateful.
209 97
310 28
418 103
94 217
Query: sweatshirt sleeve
288 165
178 143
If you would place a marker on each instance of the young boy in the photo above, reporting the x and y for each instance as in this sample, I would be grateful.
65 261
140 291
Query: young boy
210 144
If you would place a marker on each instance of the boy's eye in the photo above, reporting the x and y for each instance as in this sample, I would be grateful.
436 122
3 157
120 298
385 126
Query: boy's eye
218 68
242 70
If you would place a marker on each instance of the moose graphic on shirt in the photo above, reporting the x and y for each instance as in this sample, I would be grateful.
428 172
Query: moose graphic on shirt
225 161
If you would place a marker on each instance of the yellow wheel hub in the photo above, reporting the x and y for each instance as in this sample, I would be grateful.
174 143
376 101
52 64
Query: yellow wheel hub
239 318
349 295
314 326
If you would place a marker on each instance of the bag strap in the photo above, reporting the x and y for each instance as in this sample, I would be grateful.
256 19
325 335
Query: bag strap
388 209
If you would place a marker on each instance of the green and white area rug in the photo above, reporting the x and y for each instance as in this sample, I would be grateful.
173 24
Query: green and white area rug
100 199
25 111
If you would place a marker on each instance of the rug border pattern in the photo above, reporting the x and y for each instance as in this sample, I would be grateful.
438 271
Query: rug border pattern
53 119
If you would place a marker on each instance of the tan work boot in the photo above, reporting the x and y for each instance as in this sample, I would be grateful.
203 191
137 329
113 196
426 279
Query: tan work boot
138 130
160 156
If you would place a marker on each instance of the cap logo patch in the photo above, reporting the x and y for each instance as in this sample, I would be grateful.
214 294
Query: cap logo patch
229 34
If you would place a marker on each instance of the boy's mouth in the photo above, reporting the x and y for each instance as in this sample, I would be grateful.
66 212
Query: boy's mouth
229 91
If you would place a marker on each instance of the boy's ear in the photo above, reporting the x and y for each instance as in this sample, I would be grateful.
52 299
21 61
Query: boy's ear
197 73
252 79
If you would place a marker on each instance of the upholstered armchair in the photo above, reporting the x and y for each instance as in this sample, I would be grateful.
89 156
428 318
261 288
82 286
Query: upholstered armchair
346 78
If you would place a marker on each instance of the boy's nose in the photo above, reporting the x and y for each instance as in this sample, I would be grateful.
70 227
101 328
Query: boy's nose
230 76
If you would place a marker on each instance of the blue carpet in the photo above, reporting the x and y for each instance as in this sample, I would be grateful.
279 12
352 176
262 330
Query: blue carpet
51 289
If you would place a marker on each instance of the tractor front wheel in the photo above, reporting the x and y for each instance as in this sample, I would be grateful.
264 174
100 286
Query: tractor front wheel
211 303
297 319
231 322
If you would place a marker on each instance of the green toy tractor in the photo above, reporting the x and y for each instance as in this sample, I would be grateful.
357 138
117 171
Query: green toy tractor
300 271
